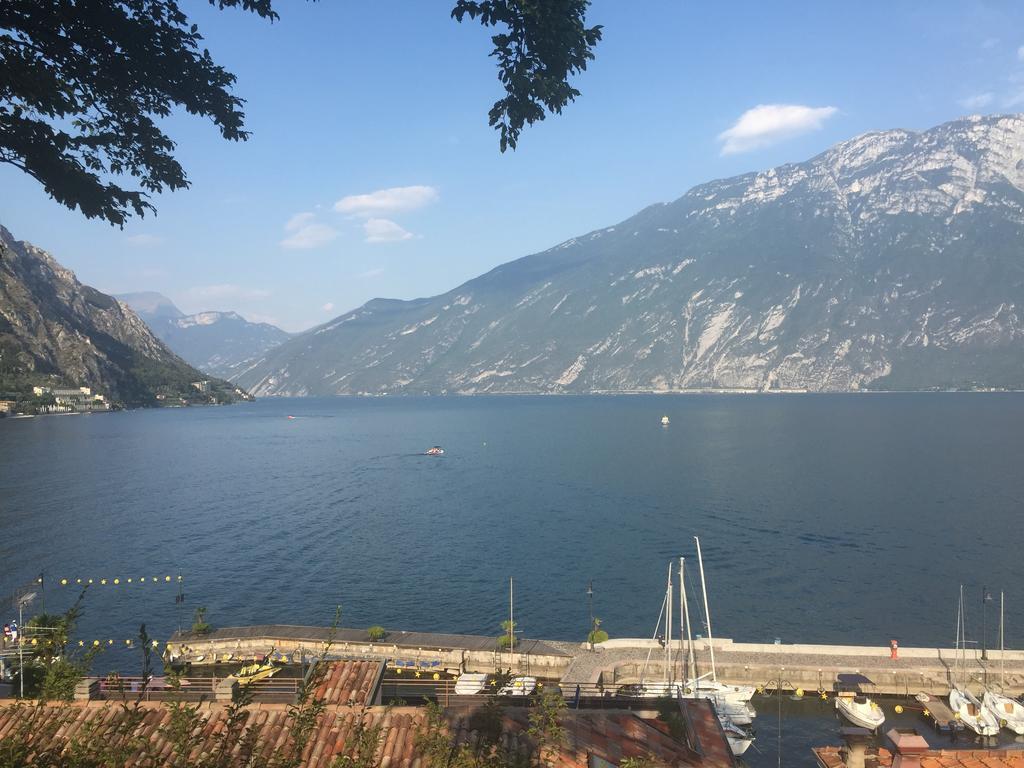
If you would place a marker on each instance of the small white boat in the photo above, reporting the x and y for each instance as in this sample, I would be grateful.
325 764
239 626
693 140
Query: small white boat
968 710
519 686
740 712
738 738
719 690
471 683
664 421
434 450
1009 713
860 710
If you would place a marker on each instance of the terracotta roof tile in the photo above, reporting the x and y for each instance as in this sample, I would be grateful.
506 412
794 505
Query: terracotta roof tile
831 757
609 734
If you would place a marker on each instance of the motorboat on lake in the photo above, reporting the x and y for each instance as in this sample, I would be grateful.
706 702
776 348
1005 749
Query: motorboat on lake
435 450
856 707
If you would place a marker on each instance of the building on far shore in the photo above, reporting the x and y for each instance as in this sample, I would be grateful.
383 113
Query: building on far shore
8 407
68 400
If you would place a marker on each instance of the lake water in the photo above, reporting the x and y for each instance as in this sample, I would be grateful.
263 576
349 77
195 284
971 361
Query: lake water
823 518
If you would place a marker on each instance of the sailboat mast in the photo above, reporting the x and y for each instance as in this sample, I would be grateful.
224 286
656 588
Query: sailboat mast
657 628
668 626
1002 648
511 627
707 613
686 619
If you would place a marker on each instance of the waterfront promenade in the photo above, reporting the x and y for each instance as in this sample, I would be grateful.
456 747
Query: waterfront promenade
617 662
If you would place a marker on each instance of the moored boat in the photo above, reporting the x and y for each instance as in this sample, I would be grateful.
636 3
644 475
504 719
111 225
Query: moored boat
968 710
434 450
1009 713
739 739
860 710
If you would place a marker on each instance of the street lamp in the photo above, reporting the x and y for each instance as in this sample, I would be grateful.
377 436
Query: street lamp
590 604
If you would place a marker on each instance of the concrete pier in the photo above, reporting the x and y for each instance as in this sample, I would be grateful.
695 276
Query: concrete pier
621 661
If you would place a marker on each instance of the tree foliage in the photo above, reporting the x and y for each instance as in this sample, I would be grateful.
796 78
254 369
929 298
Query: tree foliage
545 43
85 85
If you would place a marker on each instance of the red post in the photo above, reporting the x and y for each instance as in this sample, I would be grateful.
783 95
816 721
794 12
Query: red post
894 649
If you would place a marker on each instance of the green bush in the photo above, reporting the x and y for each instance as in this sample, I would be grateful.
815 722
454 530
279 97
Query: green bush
199 624
376 632
597 636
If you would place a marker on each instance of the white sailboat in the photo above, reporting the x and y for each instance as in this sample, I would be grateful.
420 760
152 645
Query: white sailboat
966 707
731 702
1009 712
713 688
739 739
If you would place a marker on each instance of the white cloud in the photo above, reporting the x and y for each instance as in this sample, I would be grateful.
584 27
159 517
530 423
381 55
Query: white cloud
768 124
392 200
977 101
306 232
384 231
298 221
143 240
370 273
328 306
226 291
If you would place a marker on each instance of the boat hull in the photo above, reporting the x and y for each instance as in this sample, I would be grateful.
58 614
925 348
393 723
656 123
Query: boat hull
867 715
1007 712
970 712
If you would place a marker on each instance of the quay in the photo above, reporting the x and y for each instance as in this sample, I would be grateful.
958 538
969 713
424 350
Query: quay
599 672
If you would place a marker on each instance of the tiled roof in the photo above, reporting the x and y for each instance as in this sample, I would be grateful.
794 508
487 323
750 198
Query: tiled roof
350 682
608 734
830 757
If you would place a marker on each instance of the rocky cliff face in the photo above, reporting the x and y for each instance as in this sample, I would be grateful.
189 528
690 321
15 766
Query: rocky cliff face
893 260
55 330
220 343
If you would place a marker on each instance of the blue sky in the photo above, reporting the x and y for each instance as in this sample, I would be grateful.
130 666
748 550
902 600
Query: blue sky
372 171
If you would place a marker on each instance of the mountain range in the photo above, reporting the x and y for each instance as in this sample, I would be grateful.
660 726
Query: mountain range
894 260
220 343
57 332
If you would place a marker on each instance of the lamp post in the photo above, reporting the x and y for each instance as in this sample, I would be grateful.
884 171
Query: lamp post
778 684
986 598
590 604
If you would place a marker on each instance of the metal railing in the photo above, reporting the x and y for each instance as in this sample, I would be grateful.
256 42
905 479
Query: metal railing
127 688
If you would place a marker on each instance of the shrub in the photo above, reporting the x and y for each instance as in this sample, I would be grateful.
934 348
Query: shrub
199 624
376 632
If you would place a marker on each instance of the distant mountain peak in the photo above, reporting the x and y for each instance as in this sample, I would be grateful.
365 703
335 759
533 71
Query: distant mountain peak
891 260
150 304
55 330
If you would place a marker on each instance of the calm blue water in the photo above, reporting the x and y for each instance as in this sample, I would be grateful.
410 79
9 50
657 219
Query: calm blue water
823 518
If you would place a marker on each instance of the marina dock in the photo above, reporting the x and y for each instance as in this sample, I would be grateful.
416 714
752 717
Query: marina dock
617 662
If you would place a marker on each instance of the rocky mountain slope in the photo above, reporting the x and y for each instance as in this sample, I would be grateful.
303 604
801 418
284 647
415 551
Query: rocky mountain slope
56 331
894 260
220 343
